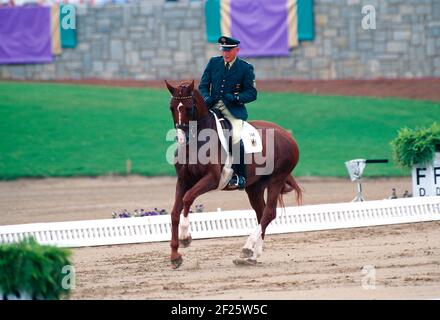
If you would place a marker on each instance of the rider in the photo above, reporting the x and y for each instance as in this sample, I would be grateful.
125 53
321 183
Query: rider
227 83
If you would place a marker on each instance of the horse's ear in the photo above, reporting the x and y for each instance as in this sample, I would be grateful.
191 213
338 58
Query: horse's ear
191 86
171 89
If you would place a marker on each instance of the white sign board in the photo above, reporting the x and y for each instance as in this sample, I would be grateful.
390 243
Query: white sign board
355 168
426 178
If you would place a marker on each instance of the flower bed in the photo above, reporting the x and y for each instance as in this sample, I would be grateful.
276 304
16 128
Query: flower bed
124 213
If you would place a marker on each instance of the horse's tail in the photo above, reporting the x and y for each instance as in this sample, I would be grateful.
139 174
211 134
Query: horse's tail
289 185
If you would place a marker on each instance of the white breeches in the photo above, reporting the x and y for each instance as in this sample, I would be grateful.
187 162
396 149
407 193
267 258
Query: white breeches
237 124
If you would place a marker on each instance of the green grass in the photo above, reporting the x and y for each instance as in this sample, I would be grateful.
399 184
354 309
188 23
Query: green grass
71 130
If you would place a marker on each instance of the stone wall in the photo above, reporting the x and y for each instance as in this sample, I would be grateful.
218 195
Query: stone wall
148 41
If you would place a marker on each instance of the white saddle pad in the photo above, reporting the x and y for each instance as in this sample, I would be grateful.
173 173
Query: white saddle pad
250 136
251 139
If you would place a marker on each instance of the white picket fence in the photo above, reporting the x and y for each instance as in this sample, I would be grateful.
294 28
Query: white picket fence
227 223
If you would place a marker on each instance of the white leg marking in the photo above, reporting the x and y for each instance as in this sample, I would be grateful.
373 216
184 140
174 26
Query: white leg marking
184 226
258 248
255 243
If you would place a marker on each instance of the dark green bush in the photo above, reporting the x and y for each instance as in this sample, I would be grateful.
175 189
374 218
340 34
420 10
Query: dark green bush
413 146
33 268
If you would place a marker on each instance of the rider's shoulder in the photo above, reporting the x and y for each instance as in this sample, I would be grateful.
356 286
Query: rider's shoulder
245 63
216 58
242 60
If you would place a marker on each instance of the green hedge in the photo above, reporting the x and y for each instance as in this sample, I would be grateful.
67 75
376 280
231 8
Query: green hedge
34 269
413 146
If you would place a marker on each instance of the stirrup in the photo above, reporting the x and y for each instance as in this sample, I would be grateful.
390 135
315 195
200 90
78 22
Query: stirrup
237 184
231 184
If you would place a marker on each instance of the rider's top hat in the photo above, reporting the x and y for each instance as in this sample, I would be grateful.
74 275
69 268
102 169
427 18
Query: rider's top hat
228 43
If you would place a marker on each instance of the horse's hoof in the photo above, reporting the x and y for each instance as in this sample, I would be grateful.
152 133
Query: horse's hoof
246 253
177 262
245 262
184 243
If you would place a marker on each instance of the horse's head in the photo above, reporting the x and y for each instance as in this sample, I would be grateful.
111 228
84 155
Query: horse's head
186 105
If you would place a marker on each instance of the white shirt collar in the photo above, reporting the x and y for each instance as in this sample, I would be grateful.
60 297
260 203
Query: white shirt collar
230 63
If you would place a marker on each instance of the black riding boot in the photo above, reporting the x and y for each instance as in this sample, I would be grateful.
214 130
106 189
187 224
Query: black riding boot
238 180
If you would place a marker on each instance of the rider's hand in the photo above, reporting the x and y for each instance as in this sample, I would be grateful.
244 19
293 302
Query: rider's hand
209 101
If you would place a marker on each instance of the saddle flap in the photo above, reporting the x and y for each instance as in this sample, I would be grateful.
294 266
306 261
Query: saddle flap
251 138
221 134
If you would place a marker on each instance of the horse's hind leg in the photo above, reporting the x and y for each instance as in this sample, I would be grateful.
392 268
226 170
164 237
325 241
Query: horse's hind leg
254 244
255 193
270 211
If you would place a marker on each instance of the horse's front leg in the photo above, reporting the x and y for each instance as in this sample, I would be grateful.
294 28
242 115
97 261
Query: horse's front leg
207 183
184 235
176 258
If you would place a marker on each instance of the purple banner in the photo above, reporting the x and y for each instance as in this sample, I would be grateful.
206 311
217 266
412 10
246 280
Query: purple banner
25 35
261 27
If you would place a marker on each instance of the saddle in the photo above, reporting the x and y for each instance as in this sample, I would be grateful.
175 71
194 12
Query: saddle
249 134
251 142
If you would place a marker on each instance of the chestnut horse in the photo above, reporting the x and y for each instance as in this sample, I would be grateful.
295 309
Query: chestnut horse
195 179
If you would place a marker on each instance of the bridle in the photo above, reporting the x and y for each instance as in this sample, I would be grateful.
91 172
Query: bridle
181 125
